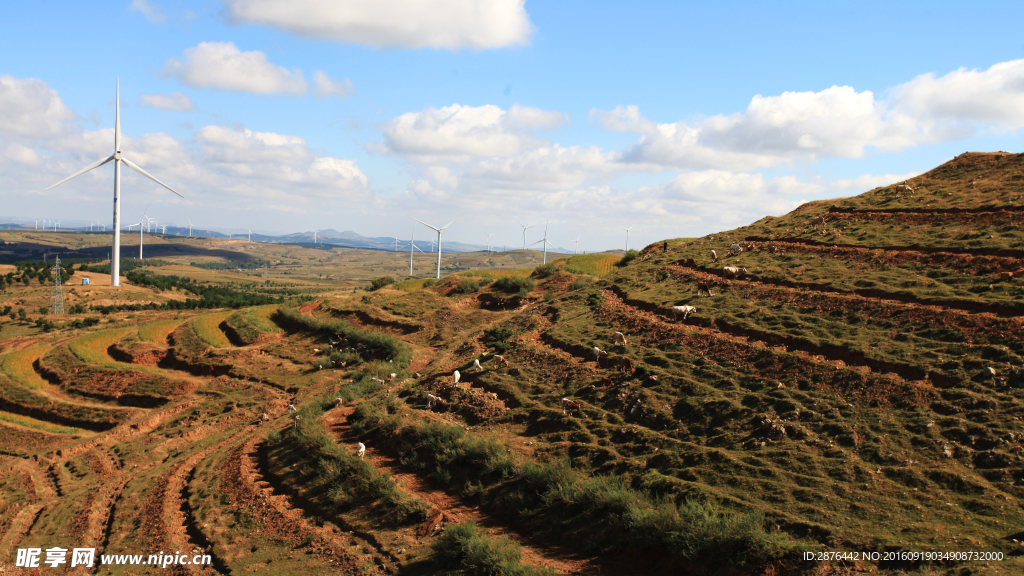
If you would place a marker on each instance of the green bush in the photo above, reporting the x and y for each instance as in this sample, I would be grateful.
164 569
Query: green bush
466 286
466 548
429 282
378 283
498 338
629 257
378 345
594 300
513 284
578 284
545 270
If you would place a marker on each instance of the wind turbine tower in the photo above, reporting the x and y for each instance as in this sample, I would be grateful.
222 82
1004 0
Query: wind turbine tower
577 241
525 228
627 236
412 244
489 242
546 243
190 228
118 158
439 230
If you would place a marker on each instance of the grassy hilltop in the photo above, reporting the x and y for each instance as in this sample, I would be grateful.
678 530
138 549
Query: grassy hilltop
859 389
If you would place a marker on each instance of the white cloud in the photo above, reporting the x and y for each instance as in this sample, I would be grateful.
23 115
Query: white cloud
325 87
866 182
458 131
835 122
173 101
30 108
149 10
448 24
994 97
223 66
623 119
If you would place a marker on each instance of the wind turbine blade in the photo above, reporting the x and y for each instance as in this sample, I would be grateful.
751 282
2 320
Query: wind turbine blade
117 117
452 222
425 224
92 166
135 167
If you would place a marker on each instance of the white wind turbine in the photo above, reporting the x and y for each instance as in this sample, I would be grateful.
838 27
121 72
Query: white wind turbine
627 236
439 230
546 243
118 158
577 241
525 228
489 242
412 244
190 228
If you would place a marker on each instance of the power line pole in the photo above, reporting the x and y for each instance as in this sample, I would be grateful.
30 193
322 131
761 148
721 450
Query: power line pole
58 291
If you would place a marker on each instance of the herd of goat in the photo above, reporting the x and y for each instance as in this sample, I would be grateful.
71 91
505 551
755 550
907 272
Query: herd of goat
625 365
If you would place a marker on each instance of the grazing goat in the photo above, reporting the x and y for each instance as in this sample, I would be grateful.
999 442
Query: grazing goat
569 405
476 364
316 350
703 288
905 188
734 272
291 407
735 248
684 310
265 417
597 354
714 256
431 400
626 365
457 376
620 339
360 449
338 402
391 377
500 360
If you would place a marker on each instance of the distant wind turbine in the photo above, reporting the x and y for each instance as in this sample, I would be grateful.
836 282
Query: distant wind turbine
525 228
412 244
439 230
546 243
190 228
577 241
489 242
627 236
118 158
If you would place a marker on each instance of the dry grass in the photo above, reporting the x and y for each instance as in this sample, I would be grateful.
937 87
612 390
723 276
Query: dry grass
18 365
157 332
596 264
208 329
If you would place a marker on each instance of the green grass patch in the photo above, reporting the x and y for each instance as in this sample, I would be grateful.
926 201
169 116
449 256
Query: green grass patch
157 332
18 365
593 264
207 328
36 424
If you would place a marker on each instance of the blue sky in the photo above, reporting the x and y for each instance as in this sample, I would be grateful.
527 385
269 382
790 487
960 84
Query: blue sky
313 114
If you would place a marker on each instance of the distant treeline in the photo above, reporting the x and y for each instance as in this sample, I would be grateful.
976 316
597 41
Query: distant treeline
233 265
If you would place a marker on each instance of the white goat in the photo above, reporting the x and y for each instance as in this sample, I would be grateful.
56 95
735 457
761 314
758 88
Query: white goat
476 364
735 248
684 310
598 353
338 402
620 339
734 272
457 376
714 256
500 360
291 408
431 400
360 449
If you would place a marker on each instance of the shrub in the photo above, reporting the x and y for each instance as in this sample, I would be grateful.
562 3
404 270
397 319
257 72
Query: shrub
577 284
463 546
594 300
545 270
498 338
466 286
429 282
630 256
514 284
378 283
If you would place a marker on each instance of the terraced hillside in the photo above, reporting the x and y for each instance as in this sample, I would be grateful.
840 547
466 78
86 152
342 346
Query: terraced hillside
859 388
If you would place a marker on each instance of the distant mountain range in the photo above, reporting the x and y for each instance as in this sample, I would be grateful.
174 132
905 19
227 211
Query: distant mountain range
346 239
